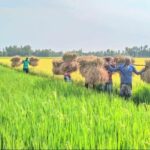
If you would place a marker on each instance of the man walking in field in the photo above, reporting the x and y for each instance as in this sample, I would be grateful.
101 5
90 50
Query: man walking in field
26 63
108 87
126 71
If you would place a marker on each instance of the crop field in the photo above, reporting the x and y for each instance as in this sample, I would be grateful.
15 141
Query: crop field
45 66
40 112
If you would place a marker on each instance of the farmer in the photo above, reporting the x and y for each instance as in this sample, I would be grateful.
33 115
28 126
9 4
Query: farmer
26 63
67 76
126 71
108 87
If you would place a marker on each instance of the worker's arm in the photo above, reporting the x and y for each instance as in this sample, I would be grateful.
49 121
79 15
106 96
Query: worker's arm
113 69
138 72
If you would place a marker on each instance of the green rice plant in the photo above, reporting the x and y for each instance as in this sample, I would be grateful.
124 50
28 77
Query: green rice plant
47 113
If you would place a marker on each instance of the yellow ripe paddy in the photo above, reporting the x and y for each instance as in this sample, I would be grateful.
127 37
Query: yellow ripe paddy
45 66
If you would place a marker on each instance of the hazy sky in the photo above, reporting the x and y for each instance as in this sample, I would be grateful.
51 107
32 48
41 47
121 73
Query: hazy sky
75 24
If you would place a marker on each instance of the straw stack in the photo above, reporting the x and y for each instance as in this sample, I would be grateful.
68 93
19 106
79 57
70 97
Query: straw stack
90 60
57 63
146 75
85 58
16 61
107 59
119 59
122 59
34 61
57 67
67 57
96 75
60 67
87 62
92 69
69 66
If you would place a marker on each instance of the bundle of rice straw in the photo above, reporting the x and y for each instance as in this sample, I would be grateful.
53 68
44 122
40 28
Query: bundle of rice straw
57 71
16 61
34 61
57 63
122 59
91 61
85 58
147 63
96 75
87 62
60 67
69 66
146 75
119 59
92 69
83 70
57 67
69 56
108 58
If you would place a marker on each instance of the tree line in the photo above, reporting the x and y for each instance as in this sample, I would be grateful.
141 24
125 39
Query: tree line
142 51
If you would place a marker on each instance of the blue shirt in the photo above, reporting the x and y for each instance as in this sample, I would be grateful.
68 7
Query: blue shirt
125 72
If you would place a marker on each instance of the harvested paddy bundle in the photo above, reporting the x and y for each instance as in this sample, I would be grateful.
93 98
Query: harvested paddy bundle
87 62
57 67
84 70
57 71
96 75
104 75
107 59
34 61
92 69
82 60
147 63
16 61
85 58
69 66
60 67
57 63
122 59
69 56
91 60
146 75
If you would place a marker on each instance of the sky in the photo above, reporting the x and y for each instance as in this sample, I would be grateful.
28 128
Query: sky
75 24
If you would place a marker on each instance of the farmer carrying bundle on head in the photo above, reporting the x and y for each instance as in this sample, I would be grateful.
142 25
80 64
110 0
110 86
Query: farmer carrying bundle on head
67 76
26 63
126 69
108 87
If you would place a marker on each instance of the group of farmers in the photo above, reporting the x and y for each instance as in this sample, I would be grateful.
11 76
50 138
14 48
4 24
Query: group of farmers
126 69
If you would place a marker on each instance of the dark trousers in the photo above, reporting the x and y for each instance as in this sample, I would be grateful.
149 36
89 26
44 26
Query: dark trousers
126 90
67 79
108 87
26 70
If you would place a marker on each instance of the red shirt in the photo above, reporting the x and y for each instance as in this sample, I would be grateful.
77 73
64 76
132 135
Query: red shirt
109 74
